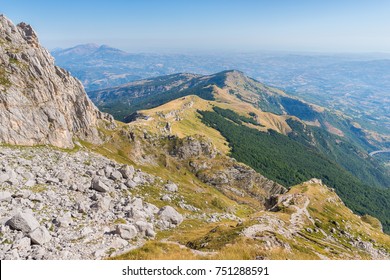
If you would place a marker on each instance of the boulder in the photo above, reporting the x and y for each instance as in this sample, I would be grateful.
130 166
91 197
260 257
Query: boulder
150 209
98 185
116 175
40 236
24 222
108 170
137 214
127 171
169 217
145 228
137 203
127 232
102 204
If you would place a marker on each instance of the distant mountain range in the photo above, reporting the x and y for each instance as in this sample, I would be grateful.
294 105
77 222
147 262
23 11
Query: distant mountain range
357 85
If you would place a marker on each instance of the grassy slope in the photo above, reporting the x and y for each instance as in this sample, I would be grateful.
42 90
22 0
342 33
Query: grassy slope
223 240
289 162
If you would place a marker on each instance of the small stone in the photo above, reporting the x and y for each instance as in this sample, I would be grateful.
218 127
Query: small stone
35 197
64 220
38 253
150 209
82 207
143 227
150 233
86 231
99 253
52 180
102 204
119 243
309 230
30 183
5 196
24 222
63 176
108 170
22 244
28 176
127 232
138 180
13 181
40 236
130 184
172 187
101 172
3 177
166 198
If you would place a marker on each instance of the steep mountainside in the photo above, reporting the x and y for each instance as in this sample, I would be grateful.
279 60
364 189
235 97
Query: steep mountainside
40 103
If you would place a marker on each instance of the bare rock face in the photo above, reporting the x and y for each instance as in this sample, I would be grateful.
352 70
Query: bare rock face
40 103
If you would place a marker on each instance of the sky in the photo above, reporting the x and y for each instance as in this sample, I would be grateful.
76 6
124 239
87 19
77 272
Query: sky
214 25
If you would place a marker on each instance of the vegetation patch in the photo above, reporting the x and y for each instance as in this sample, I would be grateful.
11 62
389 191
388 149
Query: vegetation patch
4 81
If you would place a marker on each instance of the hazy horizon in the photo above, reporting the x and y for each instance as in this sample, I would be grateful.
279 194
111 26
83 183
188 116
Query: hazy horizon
210 26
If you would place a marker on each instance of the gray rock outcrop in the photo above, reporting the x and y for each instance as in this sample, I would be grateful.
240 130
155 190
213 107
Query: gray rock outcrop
40 103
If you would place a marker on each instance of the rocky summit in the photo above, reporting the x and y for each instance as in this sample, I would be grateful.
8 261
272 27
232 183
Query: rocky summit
40 103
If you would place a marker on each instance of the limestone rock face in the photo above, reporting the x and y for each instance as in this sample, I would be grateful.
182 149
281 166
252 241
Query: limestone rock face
40 103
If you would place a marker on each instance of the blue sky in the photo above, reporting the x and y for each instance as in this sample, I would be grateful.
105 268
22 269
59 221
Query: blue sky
244 25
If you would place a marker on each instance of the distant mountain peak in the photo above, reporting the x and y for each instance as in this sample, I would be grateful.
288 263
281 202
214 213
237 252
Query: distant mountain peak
90 50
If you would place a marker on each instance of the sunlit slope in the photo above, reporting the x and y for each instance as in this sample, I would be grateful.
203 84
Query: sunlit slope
308 222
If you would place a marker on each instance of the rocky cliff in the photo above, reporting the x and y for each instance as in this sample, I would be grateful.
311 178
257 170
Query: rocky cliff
40 103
